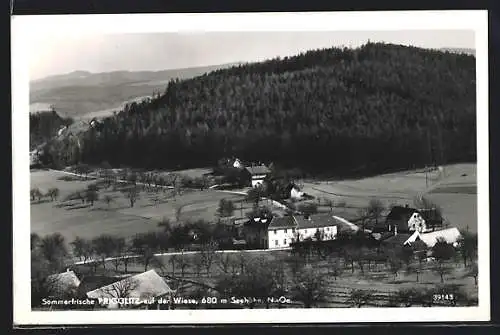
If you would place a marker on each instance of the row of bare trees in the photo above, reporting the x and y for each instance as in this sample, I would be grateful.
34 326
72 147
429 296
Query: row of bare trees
37 194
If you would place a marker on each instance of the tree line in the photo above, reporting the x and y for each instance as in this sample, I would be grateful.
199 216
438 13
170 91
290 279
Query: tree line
44 126
375 108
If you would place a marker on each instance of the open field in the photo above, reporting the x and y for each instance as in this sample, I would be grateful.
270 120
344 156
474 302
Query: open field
454 190
72 218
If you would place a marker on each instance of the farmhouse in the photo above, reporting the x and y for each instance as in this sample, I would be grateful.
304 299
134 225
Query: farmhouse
282 231
62 285
255 175
450 235
255 231
407 219
294 192
133 290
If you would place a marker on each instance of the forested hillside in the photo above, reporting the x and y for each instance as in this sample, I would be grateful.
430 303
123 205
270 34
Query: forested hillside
344 111
44 126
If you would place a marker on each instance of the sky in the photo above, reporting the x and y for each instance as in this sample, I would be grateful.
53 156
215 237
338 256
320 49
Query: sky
161 51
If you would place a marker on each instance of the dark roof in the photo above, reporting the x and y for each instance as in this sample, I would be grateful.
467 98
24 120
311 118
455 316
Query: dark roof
317 221
398 212
300 222
430 215
283 222
261 169
398 239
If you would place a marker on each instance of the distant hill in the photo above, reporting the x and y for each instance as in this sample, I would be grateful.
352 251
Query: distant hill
79 93
460 51
346 112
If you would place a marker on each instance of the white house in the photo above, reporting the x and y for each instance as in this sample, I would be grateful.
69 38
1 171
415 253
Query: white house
296 193
257 174
417 223
450 235
282 231
237 164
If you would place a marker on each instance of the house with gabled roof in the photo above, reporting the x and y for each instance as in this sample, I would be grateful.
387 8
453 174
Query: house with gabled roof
255 175
283 231
408 220
62 285
139 289
449 235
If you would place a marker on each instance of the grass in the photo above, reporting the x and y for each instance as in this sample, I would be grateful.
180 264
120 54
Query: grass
454 192
72 218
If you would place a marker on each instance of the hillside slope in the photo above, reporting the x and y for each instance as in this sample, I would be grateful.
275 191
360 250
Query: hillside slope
373 109
78 93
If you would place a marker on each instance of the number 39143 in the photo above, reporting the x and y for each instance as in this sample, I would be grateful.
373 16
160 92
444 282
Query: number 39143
445 298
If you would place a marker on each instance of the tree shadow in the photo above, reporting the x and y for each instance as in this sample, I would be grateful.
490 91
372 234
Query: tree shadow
41 201
78 207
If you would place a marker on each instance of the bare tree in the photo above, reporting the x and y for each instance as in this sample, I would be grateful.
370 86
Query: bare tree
442 269
120 289
224 261
82 248
145 245
92 196
415 268
183 263
375 209
309 286
173 261
334 267
108 200
53 249
118 251
104 247
407 296
197 264
53 193
132 194
395 265
359 297
207 252
35 193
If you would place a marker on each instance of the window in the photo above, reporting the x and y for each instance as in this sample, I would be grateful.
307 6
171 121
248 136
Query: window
327 228
285 231
284 241
275 232
276 243
293 230
305 231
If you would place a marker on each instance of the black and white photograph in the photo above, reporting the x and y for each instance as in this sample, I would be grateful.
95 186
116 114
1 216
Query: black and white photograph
264 167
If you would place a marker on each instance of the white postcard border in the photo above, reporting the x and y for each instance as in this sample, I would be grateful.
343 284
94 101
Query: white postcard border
70 26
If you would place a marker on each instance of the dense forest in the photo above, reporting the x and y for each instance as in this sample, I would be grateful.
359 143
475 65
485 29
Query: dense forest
45 125
372 109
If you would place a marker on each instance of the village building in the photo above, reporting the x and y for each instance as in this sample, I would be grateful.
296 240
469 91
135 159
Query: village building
449 235
294 192
143 287
255 175
237 164
62 285
255 232
283 231
408 220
